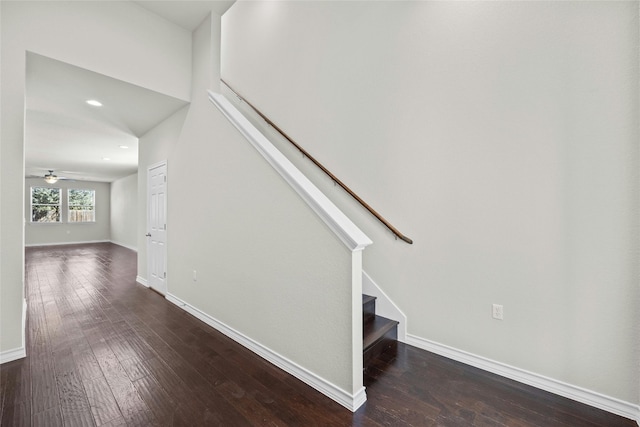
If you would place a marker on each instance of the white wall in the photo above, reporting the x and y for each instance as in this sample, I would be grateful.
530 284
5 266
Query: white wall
501 136
118 39
65 232
124 212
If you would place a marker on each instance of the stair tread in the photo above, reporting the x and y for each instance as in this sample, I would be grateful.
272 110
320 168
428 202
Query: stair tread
375 328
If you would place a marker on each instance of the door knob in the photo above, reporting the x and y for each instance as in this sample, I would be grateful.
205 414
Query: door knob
148 234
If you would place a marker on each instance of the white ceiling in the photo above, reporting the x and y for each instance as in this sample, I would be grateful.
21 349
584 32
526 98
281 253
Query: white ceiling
64 134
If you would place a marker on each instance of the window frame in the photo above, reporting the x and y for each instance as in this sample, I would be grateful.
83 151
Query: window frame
58 205
70 206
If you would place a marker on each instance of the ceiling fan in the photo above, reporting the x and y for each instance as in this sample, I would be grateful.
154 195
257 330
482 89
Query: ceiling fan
51 178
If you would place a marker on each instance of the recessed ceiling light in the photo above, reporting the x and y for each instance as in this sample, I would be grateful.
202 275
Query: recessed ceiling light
94 103
106 158
124 146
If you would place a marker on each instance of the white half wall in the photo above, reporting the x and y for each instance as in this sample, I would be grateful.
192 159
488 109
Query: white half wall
266 265
124 212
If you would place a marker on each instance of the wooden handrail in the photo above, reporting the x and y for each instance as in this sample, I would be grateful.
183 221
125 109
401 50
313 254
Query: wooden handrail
324 169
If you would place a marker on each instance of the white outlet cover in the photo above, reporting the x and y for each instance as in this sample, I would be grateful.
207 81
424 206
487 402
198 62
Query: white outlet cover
497 311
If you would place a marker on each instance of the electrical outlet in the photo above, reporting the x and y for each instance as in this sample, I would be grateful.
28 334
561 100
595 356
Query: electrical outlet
195 275
497 311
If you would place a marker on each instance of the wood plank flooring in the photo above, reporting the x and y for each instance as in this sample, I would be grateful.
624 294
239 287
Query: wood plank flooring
105 351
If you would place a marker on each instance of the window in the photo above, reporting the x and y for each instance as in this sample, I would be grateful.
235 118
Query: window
81 205
45 204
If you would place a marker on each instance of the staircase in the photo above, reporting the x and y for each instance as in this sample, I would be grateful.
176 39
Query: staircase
380 335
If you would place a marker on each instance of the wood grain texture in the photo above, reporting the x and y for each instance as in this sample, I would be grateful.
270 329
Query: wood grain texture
106 351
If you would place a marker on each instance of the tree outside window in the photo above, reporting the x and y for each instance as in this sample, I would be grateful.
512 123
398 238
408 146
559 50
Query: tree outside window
45 204
81 205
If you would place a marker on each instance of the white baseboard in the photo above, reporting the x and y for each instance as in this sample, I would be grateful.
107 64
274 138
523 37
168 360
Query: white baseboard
579 394
133 248
86 242
11 355
20 352
349 401
24 325
142 281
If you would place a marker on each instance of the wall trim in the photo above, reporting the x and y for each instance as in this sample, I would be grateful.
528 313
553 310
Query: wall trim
349 401
337 221
135 249
20 352
579 394
11 355
66 243
24 324
142 281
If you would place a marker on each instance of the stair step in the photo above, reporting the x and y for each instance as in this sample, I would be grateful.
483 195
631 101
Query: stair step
368 307
376 328
367 298
380 336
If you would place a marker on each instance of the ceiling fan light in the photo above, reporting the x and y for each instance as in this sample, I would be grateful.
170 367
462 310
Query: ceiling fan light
50 178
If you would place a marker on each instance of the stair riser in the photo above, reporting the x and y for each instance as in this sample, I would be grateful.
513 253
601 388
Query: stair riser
368 310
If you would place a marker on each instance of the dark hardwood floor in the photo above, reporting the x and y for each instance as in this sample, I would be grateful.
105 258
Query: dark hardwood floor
104 350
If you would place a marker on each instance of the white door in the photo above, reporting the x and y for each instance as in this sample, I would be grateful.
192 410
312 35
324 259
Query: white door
157 226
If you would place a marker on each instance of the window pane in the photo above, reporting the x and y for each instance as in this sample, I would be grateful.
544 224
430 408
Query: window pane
45 196
81 197
40 213
79 214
